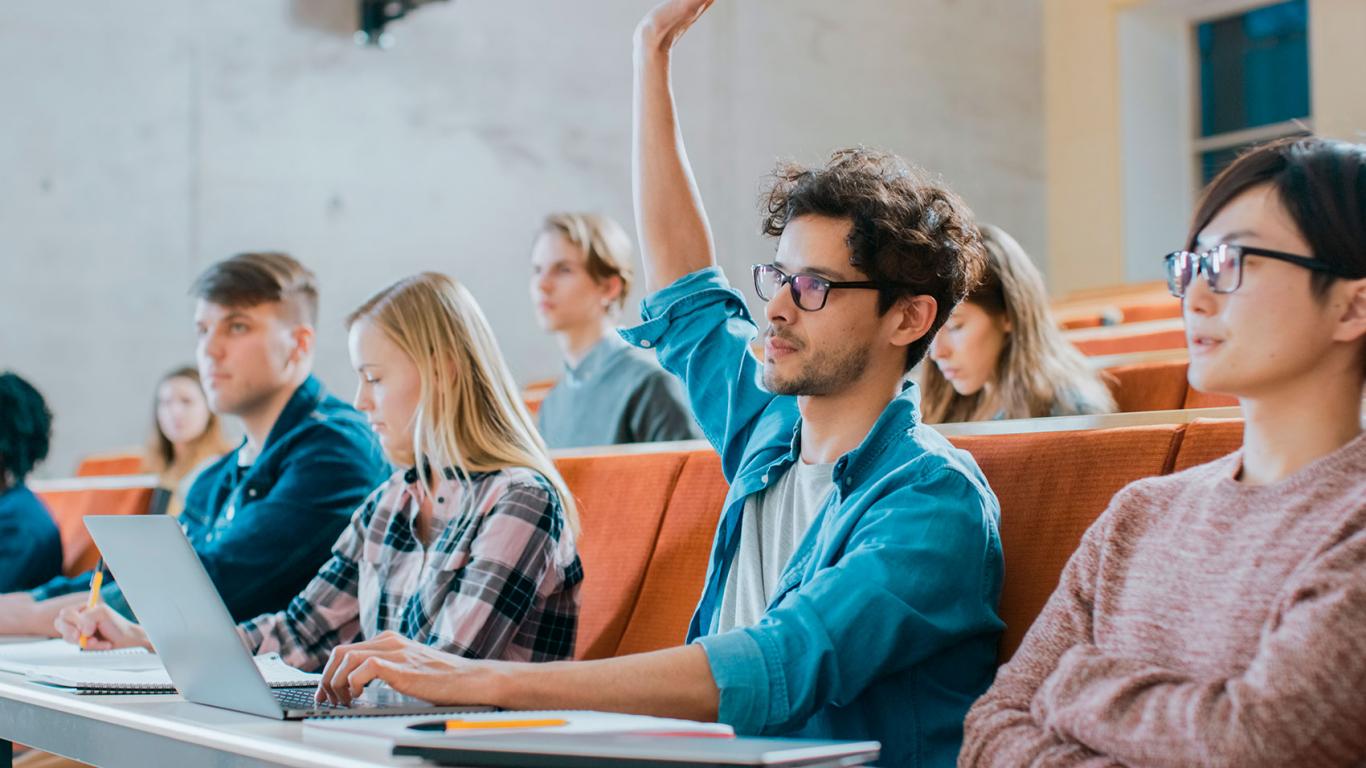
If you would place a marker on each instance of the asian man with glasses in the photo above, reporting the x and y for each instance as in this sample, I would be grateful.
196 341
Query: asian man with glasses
1217 616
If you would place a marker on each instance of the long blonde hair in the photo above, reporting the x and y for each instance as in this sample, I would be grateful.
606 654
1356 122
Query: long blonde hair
1039 373
470 415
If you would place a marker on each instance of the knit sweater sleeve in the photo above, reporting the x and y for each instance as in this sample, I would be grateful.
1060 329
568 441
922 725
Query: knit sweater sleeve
1299 702
1000 729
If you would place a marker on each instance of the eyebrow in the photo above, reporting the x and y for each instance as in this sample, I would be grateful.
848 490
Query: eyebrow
1237 234
818 271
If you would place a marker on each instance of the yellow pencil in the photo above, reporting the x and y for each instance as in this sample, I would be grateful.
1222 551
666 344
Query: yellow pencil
96 581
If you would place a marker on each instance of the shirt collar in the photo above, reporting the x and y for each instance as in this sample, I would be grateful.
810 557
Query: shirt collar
897 421
304 400
596 360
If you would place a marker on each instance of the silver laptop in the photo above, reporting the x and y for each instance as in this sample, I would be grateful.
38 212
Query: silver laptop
176 602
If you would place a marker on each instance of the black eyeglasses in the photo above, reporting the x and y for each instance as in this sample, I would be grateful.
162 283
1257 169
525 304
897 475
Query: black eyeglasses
808 291
1223 267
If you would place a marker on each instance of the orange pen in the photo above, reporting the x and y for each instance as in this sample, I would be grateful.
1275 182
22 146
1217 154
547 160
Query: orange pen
96 581
473 725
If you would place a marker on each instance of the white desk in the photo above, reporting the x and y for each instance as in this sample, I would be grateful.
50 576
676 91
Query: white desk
135 731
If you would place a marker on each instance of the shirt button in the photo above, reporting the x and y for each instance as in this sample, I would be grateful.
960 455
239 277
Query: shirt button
645 343
251 492
848 481
764 479
440 499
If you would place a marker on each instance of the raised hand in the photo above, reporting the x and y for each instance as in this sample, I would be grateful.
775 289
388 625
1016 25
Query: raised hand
408 667
103 627
668 21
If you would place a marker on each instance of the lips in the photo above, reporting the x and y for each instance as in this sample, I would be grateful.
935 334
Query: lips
1201 342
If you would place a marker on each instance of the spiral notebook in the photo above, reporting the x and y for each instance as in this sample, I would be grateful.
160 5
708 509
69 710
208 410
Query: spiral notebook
25 657
153 678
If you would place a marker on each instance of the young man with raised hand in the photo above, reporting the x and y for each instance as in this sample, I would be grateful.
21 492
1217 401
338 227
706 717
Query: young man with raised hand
854 578
264 517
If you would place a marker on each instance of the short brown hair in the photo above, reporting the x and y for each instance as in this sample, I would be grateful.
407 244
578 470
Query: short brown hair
605 245
911 236
251 279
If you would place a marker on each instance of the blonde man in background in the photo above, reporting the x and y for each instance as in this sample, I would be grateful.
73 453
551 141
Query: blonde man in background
609 392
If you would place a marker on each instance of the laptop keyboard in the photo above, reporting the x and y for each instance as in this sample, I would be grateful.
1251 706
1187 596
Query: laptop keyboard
302 698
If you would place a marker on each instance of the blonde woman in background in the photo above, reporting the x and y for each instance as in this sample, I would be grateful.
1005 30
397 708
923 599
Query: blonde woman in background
609 392
469 546
186 435
1000 354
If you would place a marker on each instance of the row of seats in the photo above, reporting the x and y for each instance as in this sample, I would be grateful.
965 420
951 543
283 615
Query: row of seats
1115 305
649 514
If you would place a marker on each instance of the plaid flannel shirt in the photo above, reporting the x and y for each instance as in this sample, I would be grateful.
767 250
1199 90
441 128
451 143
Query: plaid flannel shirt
500 580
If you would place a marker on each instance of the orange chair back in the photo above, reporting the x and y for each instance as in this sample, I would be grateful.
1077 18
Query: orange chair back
1206 440
1120 343
69 503
1151 310
1149 386
110 464
1052 486
621 500
1197 399
673 583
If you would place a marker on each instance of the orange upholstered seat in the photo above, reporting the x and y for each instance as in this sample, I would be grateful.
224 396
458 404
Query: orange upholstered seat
621 500
1206 440
673 583
1197 399
1052 486
71 500
1121 342
1161 309
110 464
1157 386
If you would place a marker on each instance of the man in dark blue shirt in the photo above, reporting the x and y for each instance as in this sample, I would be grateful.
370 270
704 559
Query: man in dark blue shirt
264 517
30 548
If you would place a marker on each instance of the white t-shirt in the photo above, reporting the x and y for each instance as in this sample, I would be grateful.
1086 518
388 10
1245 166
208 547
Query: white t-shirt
774 522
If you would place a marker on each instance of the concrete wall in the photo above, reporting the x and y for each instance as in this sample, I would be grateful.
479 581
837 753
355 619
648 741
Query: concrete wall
144 139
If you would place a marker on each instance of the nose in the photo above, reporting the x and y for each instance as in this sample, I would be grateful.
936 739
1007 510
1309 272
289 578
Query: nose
940 348
781 309
211 346
361 401
1199 299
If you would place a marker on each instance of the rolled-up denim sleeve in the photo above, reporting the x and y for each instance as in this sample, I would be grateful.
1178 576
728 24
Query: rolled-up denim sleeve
701 330
921 572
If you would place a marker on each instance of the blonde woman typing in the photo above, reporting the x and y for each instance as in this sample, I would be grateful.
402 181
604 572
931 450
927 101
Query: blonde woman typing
469 547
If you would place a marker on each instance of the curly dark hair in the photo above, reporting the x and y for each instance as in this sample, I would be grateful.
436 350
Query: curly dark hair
25 429
910 235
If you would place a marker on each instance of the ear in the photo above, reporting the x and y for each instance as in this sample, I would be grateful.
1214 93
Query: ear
304 337
910 319
1351 324
612 288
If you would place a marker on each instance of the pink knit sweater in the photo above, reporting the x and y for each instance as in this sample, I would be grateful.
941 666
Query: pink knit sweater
1202 622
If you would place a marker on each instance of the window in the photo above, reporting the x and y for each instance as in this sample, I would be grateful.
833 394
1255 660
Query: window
1253 81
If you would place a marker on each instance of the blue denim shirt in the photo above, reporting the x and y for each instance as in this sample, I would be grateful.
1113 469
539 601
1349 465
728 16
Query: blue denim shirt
884 622
263 531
